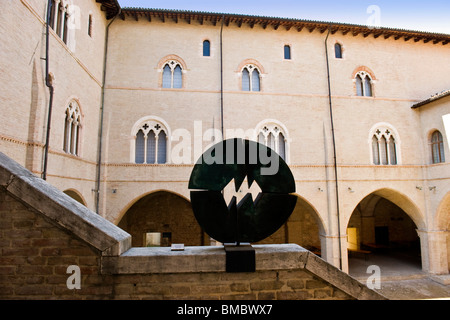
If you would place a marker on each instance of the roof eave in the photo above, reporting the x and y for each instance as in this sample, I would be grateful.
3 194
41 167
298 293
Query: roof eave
432 99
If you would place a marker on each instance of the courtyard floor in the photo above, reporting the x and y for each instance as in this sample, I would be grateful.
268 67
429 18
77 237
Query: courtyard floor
402 277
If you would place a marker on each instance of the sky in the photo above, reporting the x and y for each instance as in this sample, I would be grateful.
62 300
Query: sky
429 16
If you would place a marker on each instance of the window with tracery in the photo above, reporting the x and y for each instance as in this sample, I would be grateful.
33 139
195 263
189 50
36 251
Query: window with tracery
437 147
251 78
172 75
59 17
384 147
363 84
272 136
151 143
72 128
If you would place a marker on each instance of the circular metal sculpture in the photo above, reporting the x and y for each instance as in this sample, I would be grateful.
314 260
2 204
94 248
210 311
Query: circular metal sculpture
248 220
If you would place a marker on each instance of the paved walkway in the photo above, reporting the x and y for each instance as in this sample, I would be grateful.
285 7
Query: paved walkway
402 277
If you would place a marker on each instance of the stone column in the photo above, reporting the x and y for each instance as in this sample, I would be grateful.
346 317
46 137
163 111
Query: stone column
330 250
433 246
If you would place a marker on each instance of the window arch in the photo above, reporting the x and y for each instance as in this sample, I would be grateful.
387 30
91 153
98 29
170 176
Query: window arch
172 75
363 84
151 138
273 135
437 147
384 146
338 51
72 128
206 48
251 78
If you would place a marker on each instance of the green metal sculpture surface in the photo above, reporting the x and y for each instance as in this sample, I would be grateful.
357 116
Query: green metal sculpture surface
249 220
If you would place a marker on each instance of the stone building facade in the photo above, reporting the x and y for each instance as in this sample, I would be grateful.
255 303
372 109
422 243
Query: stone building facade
140 94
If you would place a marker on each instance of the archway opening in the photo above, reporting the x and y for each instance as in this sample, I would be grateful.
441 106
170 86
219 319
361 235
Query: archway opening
381 233
303 228
74 195
160 219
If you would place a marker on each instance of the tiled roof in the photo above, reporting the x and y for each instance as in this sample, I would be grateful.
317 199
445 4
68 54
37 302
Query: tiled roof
276 23
434 97
111 7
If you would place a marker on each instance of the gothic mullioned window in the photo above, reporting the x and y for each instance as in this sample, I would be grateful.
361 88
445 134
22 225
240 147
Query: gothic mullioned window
363 84
151 143
72 128
384 147
251 78
59 17
172 75
437 147
274 137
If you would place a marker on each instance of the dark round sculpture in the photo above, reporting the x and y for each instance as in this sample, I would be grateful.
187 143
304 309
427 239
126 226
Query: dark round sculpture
248 220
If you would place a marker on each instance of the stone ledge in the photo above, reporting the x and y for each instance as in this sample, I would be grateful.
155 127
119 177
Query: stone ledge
200 259
64 211
212 259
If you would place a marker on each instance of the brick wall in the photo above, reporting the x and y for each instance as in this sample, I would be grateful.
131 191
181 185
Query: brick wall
35 254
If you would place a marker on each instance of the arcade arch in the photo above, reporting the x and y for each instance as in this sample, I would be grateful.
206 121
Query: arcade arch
161 214
384 225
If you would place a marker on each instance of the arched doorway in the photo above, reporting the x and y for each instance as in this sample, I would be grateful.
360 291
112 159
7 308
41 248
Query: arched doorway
303 228
382 233
160 219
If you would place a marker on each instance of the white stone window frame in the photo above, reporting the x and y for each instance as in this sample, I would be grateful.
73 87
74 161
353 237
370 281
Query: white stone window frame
72 128
363 75
155 124
379 130
275 127
172 65
66 19
251 68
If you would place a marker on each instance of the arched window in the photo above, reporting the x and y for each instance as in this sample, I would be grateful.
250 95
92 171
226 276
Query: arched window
359 86
384 147
363 84
273 136
65 25
206 48
53 15
287 52
255 80
90 23
251 80
437 147
172 75
338 51
151 143
245 80
72 128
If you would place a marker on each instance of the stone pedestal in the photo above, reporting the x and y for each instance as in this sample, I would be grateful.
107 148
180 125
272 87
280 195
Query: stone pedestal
239 258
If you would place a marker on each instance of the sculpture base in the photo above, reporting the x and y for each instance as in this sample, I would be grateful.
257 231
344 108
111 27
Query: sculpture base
239 258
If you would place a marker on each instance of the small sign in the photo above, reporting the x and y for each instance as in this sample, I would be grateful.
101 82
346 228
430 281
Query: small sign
177 247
